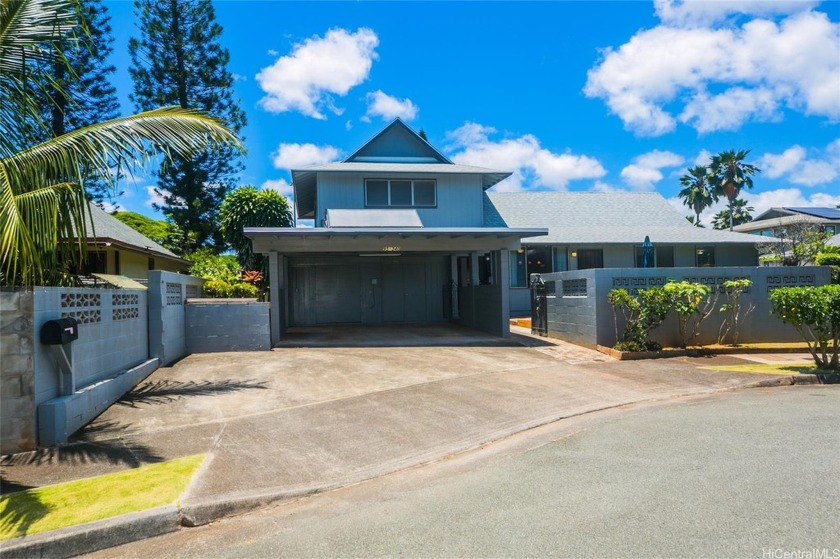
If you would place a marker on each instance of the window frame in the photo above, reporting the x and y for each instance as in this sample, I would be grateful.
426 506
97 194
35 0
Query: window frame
413 197
698 248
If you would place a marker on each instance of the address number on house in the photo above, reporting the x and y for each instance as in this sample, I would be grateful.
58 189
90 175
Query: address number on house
391 249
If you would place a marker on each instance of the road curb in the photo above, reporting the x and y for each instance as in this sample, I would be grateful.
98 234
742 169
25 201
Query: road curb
93 536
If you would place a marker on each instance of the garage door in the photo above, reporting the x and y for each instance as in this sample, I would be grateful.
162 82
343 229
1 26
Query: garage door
368 292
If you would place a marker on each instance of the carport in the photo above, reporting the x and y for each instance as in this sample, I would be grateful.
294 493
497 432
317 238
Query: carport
388 275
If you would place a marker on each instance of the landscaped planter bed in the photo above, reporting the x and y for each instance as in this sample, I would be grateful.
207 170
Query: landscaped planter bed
702 351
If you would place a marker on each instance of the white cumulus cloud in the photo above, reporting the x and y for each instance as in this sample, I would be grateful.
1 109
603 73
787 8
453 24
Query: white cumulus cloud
306 79
692 13
533 166
282 186
795 165
383 105
719 77
293 156
646 170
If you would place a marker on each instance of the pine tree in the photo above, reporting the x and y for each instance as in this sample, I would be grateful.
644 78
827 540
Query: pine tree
178 60
75 86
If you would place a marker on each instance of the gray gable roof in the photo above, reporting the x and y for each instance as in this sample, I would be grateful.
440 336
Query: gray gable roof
600 217
102 226
397 141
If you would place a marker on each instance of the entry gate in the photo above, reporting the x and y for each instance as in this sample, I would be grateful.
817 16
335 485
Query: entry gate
539 307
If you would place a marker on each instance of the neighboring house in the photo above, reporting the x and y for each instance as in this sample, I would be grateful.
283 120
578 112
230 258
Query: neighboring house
404 235
834 241
773 222
607 230
115 248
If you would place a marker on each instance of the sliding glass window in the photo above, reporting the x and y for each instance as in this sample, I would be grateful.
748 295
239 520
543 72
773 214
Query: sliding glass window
400 193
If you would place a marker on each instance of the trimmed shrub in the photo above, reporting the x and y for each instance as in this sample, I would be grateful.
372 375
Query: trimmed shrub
815 313
827 259
218 289
246 290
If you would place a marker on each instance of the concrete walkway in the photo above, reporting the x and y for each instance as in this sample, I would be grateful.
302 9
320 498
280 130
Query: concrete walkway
300 420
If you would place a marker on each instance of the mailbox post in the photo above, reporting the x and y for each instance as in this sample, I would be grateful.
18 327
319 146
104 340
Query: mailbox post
59 335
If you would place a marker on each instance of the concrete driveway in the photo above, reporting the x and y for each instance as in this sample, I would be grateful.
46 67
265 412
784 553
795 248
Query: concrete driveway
297 420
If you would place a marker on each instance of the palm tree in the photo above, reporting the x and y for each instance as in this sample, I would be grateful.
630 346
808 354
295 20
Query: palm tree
693 220
731 174
42 201
737 213
697 192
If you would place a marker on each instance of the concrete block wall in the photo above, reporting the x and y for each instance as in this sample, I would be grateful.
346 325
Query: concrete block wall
226 325
17 373
113 334
168 293
112 342
588 318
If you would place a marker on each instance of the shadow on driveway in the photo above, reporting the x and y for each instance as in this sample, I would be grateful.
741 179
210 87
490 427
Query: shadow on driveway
164 391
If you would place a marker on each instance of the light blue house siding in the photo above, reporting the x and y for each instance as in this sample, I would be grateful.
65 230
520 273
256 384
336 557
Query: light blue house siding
459 197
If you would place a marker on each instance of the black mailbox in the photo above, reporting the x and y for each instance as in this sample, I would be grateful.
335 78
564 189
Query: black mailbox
59 331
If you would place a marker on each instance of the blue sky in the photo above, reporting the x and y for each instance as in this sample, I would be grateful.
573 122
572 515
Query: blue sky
567 95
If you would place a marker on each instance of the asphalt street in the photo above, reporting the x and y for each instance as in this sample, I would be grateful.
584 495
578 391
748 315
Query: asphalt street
748 473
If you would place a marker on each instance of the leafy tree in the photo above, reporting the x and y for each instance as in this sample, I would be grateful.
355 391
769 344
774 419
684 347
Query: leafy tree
697 192
796 244
158 231
730 174
737 213
42 203
736 313
178 60
692 220
686 299
249 207
422 134
165 233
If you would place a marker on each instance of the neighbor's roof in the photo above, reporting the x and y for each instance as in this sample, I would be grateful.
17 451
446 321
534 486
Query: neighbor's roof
818 212
600 217
103 227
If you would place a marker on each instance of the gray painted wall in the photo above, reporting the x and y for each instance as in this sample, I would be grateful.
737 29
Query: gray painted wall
214 325
459 197
167 294
109 357
578 309
623 257
113 334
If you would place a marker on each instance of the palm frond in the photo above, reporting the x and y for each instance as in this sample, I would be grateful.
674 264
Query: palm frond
26 24
100 147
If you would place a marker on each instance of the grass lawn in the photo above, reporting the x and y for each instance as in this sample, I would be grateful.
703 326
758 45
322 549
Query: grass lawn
85 500
770 369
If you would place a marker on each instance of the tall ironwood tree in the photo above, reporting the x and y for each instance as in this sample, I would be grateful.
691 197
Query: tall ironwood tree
73 88
178 60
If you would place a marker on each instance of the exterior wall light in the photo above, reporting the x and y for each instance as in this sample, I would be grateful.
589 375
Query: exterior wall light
574 254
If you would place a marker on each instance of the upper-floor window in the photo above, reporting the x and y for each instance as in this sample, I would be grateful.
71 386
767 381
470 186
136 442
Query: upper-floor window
406 193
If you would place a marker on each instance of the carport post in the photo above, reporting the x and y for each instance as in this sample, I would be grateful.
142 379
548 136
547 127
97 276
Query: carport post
503 281
474 269
277 295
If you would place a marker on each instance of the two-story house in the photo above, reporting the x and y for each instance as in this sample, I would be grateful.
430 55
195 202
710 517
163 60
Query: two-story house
399 237
404 235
